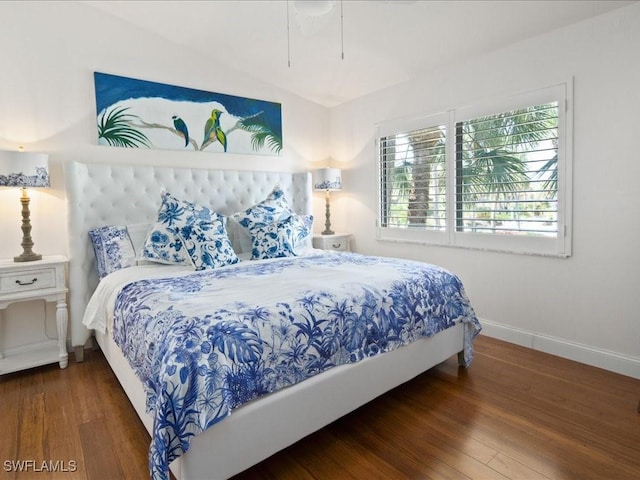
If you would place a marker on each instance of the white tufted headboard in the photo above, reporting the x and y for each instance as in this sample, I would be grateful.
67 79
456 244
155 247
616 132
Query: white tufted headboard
99 195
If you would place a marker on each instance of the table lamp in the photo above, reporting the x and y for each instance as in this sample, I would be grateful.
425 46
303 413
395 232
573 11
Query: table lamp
24 170
327 180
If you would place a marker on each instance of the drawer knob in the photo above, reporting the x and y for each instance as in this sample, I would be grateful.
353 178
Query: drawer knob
27 283
336 246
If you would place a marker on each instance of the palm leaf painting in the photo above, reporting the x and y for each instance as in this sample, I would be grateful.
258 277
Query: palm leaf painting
141 114
262 132
115 128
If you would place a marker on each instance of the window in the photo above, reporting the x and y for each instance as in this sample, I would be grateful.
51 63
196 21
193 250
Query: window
493 176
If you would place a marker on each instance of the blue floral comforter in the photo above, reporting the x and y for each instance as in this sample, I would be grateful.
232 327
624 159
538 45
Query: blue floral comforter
204 343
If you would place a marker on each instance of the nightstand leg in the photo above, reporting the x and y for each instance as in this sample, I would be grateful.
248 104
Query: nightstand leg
62 318
1 324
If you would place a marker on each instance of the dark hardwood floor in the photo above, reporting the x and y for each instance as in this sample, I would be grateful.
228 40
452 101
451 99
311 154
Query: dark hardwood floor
515 414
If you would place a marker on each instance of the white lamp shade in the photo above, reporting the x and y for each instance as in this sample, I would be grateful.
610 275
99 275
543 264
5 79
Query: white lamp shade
327 179
24 169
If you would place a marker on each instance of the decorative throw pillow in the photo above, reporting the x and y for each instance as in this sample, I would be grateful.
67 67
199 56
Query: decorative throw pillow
273 208
163 243
280 239
273 240
113 249
302 225
208 245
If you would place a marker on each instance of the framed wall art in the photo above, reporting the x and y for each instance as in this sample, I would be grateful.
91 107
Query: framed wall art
141 114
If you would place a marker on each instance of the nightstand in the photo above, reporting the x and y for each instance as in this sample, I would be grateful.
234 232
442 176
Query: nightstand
340 242
39 280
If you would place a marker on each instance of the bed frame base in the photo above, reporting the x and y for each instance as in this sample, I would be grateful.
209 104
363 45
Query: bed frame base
265 426
79 353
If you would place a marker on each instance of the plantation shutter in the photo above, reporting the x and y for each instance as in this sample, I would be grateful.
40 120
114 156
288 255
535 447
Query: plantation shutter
412 179
507 172
491 176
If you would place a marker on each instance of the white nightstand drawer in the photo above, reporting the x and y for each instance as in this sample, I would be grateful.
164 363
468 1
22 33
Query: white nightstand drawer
339 242
30 280
340 245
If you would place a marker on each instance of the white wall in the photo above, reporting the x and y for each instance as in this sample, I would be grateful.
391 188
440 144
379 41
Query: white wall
49 53
583 307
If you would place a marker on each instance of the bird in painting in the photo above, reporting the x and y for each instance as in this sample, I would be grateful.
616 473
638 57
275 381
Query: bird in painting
181 127
212 130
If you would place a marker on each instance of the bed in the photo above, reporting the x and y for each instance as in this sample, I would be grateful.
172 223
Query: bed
287 407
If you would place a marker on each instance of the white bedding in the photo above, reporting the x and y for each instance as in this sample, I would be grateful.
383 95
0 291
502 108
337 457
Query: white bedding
98 315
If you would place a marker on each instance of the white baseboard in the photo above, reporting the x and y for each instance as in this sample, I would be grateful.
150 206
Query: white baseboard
612 361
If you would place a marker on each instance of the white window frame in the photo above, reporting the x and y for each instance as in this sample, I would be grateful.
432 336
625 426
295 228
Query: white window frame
559 246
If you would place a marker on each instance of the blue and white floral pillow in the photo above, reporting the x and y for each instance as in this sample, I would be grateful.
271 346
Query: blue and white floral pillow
163 243
113 249
302 225
272 209
272 240
208 244
279 239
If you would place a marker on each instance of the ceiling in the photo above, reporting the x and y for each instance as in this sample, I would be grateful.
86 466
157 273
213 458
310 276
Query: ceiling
297 45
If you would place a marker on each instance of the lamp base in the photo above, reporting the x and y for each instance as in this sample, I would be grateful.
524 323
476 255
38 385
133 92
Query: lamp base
327 213
27 257
27 243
